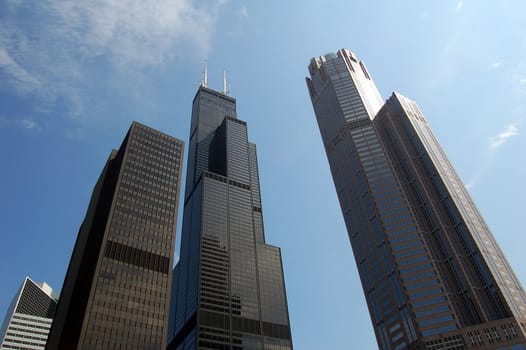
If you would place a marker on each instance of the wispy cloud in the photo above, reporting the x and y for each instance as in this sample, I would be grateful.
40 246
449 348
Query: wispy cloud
18 76
474 181
20 123
243 12
491 155
483 166
29 124
496 64
447 62
498 140
459 6
133 31
54 52
519 81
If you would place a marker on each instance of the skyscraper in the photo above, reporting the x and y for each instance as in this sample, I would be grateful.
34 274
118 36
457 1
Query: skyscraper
28 319
228 290
116 291
431 271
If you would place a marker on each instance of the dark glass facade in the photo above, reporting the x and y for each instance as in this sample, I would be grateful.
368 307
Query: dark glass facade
431 271
116 290
228 287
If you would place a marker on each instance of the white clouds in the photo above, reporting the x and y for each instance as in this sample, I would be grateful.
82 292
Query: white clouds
19 77
471 183
133 31
20 123
496 64
490 157
447 62
459 6
61 46
519 82
29 124
503 137
243 12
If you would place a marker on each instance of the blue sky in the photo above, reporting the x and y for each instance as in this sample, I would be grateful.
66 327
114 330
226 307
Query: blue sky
74 74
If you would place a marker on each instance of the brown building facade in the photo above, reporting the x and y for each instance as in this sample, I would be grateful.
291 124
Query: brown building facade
116 292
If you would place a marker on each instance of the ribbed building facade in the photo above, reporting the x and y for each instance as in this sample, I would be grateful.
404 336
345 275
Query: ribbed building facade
431 271
29 317
116 292
228 290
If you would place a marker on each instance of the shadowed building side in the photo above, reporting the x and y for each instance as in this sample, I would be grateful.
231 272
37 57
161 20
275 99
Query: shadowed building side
230 291
116 289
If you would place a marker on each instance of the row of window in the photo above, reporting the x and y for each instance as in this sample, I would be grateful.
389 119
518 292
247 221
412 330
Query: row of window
137 257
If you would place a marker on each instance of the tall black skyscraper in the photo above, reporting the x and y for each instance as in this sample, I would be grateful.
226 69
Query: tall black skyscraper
229 291
431 271
116 291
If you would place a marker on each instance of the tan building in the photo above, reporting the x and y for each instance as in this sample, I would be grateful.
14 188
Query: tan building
116 293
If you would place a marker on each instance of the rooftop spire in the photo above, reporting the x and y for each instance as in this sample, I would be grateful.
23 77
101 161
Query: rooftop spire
224 82
204 82
225 91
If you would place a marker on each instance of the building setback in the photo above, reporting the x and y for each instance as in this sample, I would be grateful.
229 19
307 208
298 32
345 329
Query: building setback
28 319
228 291
116 290
431 271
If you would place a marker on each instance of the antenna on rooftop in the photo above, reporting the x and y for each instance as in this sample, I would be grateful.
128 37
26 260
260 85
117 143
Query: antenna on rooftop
204 82
225 91
224 82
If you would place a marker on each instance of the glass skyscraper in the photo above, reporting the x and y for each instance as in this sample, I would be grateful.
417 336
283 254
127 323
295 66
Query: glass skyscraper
116 292
228 290
431 271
